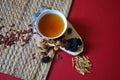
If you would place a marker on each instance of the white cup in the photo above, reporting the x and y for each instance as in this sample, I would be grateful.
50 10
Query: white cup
56 12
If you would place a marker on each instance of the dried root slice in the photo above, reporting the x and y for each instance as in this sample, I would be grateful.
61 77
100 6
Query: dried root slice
56 48
42 51
43 45
41 40
52 51
58 43
52 41
82 64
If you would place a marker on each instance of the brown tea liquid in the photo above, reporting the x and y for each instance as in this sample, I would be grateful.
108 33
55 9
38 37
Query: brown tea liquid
51 25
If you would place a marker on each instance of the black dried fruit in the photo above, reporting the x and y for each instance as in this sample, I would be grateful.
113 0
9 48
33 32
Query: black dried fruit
68 46
79 42
45 59
75 48
73 44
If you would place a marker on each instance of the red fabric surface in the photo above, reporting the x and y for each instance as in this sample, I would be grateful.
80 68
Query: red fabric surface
7 77
98 23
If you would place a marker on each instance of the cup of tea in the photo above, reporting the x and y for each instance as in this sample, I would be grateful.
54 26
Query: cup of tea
51 24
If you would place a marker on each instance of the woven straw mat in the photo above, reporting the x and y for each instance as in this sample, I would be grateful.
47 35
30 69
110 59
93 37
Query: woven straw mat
16 60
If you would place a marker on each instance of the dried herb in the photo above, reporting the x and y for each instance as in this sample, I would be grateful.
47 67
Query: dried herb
12 36
45 59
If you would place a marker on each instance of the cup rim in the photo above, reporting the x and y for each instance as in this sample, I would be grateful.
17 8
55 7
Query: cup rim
51 12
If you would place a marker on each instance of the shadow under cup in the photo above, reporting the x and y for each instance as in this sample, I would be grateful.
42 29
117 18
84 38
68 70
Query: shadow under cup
51 24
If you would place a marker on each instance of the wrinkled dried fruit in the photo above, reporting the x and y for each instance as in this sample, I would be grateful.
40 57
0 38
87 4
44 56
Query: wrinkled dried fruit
45 59
73 44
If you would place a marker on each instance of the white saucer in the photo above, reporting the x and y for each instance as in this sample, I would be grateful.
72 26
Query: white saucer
74 34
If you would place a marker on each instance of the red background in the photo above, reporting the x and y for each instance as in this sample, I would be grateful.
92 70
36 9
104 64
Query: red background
98 23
